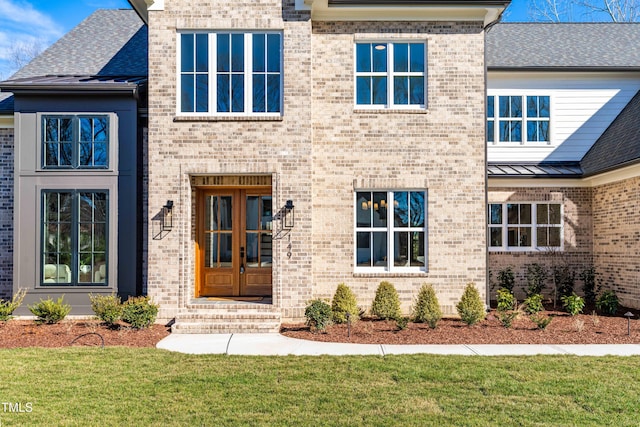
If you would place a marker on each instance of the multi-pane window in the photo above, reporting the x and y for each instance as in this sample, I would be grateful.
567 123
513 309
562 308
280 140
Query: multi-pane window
74 237
229 72
390 74
525 226
390 230
520 119
75 142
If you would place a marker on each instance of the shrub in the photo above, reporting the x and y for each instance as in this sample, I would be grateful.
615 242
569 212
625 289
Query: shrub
588 277
402 322
344 301
533 304
318 314
564 279
507 317
386 304
8 307
107 308
507 279
572 303
541 321
470 307
427 308
608 303
139 312
536 277
50 311
506 300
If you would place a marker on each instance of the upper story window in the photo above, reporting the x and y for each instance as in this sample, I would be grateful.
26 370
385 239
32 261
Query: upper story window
75 141
230 73
518 119
525 226
390 233
390 75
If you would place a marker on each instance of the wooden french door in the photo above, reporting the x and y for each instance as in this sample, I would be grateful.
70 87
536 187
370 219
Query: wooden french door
234 249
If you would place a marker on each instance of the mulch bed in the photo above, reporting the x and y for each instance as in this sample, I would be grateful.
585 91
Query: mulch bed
79 333
563 329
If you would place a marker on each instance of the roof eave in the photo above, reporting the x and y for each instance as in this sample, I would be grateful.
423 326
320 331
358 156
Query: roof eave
67 89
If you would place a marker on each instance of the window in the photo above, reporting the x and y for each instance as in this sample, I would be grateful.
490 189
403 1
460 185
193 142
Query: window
515 113
75 142
390 231
525 226
74 237
390 75
230 73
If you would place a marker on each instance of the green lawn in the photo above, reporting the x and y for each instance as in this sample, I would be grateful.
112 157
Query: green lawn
133 387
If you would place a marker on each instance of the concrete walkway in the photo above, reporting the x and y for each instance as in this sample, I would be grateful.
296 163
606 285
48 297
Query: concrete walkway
279 345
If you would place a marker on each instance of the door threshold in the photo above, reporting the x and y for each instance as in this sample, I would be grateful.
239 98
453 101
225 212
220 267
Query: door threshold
232 300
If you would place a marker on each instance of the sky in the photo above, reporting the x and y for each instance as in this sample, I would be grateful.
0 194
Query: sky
28 23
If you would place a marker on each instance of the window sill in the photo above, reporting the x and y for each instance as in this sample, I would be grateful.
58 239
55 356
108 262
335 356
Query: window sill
390 274
359 110
232 118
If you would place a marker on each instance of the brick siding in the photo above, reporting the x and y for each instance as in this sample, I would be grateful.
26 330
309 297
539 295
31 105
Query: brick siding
6 212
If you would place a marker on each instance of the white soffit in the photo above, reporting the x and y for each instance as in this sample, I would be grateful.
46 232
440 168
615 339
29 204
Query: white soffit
321 11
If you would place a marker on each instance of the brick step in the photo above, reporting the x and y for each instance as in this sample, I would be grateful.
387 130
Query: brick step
226 321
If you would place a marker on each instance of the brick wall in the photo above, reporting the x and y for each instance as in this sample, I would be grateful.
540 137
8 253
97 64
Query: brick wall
578 234
321 150
6 212
616 249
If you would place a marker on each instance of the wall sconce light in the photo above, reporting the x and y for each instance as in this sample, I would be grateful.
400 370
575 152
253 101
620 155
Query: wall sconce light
167 216
289 216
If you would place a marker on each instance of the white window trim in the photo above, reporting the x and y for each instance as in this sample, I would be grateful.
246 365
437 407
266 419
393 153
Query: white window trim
534 225
390 74
496 119
212 73
390 229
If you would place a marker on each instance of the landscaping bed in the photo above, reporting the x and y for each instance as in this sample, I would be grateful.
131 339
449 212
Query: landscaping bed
24 333
563 329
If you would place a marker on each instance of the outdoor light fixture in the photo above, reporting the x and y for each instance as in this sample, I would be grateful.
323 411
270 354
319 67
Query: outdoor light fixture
289 216
167 216
628 315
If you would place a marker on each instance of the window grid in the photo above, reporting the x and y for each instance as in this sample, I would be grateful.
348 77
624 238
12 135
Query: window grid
243 75
390 231
390 75
74 243
520 119
75 142
525 226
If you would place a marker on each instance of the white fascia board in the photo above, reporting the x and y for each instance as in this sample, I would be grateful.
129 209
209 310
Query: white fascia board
320 11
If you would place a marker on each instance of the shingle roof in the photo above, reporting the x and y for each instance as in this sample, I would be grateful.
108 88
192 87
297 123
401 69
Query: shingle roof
563 45
6 103
107 43
619 145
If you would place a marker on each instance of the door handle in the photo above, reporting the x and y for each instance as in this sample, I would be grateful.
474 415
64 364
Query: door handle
242 260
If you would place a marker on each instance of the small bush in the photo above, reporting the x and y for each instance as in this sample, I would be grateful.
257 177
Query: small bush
402 322
506 300
533 304
318 314
427 308
588 277
608 303
344 301
139 312
541 321
507 279
8 307
50 311
564 279
470 307
107 308
508 317
573 304
386 304
536 278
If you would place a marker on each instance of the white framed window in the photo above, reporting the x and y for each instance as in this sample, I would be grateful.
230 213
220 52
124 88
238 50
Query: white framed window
525 226
230 73
390 75
518 119
390 231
